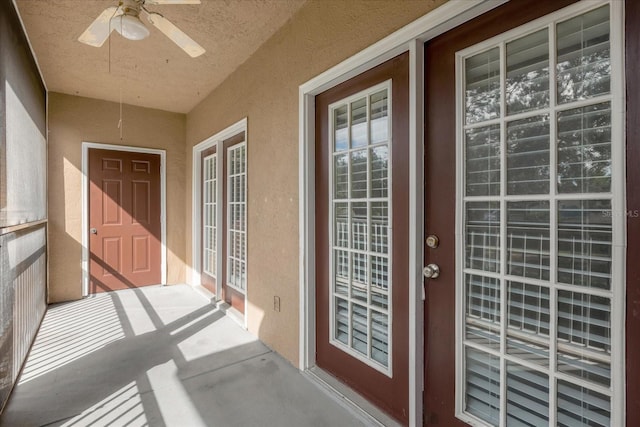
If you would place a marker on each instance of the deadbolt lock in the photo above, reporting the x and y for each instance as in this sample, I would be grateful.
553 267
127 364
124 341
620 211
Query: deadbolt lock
433 241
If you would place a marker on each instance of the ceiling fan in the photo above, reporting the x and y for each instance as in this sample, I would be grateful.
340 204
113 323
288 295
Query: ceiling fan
125 19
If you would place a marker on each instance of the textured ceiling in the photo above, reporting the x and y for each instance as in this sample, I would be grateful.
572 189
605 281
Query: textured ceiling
154 72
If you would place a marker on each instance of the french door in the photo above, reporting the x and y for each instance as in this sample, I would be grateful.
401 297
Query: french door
362 148
524 164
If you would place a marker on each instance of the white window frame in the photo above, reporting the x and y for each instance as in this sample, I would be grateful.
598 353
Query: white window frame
214 180
617 196
387 370
228 231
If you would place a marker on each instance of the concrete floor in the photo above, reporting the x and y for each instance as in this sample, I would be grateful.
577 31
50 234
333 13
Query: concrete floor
160 356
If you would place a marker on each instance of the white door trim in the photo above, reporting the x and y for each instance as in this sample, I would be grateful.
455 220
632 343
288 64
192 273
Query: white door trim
196 204
410 38
85 205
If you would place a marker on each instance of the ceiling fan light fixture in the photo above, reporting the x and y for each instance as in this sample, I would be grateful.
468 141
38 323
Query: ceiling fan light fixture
130 27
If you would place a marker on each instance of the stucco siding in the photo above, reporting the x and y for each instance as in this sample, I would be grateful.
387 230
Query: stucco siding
265 90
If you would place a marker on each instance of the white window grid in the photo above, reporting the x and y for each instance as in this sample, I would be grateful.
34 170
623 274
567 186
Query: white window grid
237 217
209 205
538 326
349 304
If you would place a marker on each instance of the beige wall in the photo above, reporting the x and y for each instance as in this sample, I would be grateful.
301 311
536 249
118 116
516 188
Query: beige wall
265 90
73 120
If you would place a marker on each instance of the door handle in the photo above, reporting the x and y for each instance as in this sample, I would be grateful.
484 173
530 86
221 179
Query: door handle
431 271
93 231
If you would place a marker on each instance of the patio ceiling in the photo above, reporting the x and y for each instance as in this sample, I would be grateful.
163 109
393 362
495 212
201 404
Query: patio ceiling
154 72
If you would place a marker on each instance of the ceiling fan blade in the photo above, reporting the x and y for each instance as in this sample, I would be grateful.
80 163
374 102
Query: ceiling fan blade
98 32
183 41
172 2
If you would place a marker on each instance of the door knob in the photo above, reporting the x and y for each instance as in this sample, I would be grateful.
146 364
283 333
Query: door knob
93 231
431 271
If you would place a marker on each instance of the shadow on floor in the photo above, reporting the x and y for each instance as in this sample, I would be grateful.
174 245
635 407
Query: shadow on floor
160 356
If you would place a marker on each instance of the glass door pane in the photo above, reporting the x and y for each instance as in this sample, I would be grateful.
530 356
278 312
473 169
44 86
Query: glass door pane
360 220
209 196
538 224
237 217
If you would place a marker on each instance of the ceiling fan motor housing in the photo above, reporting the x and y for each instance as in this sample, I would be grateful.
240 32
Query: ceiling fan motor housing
128 24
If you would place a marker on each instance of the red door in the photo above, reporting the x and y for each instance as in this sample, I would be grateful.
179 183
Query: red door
208 219
361 233
525 242
124 220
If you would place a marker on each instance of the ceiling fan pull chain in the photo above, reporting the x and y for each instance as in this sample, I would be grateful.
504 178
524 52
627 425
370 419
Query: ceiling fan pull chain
120 124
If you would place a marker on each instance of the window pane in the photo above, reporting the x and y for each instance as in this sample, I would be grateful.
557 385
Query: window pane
341 176
359 226
585 243
341 271
341 128
380 227
584 149
579 406
341 228
380 282
359 277
380 338
379 171
483 385
483 236
528 73
482 157
359 137
584 57
482 78
379 117
341 310
359 174
584 336
528 156
359 332
528 239
483 310
527 396
528 322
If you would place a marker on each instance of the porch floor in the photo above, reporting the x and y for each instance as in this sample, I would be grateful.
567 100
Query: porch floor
160 356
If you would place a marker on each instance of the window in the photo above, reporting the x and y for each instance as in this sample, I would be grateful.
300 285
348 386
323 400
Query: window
360 216
237 217
540 214
209 205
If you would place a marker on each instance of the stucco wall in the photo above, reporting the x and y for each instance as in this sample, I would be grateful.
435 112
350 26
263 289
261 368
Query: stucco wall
265 90
73 120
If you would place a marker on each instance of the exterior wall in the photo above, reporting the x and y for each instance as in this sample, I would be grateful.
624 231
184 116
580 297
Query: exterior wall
265 90
73 120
